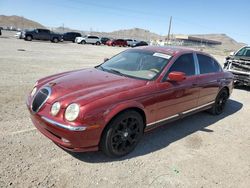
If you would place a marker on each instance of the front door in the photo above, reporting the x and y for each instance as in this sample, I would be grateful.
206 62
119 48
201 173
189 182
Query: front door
173 98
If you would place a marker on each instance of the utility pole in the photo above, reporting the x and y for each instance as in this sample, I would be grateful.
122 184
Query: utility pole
169 28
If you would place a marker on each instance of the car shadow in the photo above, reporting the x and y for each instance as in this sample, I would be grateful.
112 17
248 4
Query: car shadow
161 137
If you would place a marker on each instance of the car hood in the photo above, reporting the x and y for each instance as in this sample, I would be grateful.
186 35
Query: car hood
244 58
85 86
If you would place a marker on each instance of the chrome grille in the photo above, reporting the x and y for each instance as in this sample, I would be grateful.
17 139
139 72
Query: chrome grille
40 98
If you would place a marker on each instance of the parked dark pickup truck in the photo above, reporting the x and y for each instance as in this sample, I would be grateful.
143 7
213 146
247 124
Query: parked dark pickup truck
238 63
41 34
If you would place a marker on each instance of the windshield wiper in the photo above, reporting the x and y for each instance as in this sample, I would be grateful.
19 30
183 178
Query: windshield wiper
116 72
110 70
100 66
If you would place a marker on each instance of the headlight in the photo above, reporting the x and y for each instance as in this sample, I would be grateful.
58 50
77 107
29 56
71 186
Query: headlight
55 108
33 91
72 112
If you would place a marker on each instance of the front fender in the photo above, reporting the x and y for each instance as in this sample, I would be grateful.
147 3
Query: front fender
114 110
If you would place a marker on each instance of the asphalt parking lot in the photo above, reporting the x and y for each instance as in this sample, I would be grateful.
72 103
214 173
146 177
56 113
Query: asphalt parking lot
197 151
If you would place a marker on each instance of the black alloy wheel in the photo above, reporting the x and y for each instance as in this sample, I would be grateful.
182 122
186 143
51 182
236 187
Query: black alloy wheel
220 102
122 134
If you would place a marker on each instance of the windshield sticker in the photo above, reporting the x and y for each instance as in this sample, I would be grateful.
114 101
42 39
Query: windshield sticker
151 75
165 56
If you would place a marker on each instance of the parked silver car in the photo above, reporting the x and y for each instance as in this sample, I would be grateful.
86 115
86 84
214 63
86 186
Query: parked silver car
89 39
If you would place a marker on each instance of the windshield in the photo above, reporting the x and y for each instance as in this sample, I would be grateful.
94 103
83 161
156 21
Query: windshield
244 52
137 63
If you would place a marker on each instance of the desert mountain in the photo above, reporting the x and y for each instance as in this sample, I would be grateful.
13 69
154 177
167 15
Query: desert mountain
18 22
134 33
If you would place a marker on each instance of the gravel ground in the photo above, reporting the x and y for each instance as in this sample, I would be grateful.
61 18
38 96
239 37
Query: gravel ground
198 151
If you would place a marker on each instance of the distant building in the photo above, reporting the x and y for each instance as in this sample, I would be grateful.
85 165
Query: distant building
192 40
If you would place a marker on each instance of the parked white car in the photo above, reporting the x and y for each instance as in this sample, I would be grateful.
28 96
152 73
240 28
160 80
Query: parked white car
88 40
18 35
131 42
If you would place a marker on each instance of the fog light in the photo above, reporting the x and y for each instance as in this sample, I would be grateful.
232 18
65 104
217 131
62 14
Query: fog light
65 140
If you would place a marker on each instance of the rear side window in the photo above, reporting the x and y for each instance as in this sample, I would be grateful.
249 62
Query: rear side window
185 63
93 37
207 64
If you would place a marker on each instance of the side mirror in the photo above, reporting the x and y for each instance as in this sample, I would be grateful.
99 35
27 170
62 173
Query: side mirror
176 76
232 53
105 59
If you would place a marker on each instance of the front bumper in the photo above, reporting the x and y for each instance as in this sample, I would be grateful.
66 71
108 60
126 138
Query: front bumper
64 126
76 140
241 78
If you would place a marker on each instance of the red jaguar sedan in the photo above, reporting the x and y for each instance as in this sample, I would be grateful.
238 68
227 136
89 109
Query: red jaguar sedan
117 42
109 107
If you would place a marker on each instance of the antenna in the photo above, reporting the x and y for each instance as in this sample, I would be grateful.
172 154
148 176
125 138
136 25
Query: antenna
169 28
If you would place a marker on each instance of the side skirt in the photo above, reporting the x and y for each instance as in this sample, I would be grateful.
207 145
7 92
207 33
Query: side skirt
175 117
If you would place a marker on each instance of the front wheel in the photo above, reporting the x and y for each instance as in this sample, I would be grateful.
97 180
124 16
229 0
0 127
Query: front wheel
122 134
55 40
220 102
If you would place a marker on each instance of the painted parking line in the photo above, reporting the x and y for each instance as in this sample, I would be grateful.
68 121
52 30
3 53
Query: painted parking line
22 131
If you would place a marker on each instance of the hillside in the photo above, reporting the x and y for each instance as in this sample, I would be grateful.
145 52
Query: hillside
134 33
18 22
227 42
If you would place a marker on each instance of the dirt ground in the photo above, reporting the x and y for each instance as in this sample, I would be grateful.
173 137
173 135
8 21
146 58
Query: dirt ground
198 151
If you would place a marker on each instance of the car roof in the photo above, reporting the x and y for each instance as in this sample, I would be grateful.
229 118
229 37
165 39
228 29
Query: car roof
73 32
171 50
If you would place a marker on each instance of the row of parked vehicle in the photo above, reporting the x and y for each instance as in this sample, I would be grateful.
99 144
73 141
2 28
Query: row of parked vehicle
89 39
47 35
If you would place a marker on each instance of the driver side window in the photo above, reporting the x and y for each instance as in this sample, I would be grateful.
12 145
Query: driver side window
185 63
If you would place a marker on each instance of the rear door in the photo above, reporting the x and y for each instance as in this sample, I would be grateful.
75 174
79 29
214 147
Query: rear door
209 79
44 34
176 97
67 36
91 39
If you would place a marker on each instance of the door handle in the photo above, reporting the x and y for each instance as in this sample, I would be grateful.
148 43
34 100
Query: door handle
194 84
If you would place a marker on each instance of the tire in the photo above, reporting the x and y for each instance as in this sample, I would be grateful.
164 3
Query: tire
97 43
113 45
55 40
83 42
28 38
220 102
122 134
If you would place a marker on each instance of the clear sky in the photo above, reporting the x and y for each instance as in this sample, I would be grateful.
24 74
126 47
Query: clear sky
231 17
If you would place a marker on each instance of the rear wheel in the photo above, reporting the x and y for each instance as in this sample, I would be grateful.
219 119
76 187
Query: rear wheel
122 134
28 38
220 102
97 43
